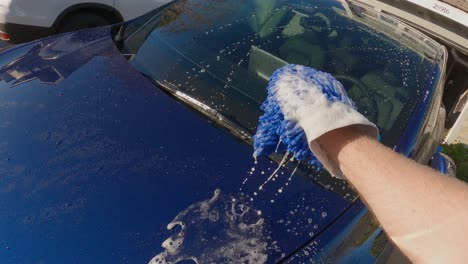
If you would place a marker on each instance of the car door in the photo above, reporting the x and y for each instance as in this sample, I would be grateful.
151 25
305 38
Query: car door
41 13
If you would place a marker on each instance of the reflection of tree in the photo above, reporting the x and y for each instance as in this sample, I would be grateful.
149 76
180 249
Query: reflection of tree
379 244
369 225
263 10
188 15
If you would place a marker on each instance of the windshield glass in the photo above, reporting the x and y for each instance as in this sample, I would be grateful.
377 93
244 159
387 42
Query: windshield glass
222 53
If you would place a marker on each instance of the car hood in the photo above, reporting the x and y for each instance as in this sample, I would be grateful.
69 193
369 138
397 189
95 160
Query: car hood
99 165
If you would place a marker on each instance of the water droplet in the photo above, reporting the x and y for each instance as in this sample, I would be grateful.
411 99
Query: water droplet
324 214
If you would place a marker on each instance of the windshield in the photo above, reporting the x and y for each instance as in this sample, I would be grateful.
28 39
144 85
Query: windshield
222 53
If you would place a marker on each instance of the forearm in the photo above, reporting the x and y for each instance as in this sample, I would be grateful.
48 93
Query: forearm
418 208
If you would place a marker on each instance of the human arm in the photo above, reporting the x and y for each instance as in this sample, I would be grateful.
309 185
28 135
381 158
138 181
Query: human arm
423 212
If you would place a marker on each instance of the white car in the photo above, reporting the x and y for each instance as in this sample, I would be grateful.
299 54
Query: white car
26 20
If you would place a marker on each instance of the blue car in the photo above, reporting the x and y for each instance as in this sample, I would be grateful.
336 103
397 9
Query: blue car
132 143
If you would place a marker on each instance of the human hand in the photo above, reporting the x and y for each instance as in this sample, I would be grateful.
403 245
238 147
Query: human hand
302 105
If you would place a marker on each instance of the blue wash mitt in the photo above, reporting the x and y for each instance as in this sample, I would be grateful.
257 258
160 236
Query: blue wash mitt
274 133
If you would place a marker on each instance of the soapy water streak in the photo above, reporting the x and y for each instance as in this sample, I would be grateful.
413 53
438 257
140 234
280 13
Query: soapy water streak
277 133
222 229
283 161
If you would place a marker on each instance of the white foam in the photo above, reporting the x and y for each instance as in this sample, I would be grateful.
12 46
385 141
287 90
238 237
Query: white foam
221 229
274 172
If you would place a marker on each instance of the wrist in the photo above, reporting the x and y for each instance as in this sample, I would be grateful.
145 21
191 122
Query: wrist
334 141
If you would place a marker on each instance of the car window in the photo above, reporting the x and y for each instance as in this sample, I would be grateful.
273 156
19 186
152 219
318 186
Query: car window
222 53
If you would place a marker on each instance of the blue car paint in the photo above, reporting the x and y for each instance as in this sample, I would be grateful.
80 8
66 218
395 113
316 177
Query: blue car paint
96 160
60 227
439 163
409 137
351 239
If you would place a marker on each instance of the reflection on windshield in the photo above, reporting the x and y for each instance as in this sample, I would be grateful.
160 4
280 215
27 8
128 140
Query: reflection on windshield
222 53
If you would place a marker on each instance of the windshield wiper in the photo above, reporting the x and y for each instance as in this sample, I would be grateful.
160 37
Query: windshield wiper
242 134
212 114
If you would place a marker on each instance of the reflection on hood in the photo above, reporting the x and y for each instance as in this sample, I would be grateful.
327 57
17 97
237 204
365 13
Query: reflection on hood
52 60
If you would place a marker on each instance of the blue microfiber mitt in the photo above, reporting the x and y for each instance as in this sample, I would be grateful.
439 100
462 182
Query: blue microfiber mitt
274 132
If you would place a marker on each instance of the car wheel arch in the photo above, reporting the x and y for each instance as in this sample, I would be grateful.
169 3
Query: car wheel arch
108 12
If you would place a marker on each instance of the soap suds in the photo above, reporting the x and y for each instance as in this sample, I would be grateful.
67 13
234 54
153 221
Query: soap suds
222 229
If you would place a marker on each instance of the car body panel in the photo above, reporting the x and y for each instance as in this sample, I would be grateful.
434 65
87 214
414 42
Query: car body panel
24 21
38 13
98 168
444 164
96 162
355 238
